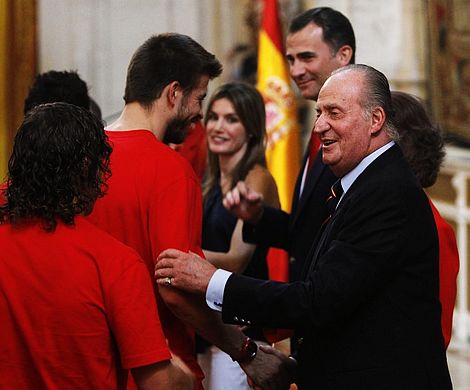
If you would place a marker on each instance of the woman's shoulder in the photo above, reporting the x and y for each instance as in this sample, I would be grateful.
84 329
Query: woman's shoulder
259 173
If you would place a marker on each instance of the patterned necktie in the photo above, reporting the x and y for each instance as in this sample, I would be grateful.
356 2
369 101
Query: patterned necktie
335 195
314 148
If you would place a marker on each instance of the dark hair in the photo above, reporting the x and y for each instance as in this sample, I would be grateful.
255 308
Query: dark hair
58 167
95 108
420 139
55 86
375 94
165 58
337 30
249 106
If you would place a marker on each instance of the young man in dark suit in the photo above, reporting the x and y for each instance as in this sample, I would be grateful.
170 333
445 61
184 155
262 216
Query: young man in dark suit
366 312
319 41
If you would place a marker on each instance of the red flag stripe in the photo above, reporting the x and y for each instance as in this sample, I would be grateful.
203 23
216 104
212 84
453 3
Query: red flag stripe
270 23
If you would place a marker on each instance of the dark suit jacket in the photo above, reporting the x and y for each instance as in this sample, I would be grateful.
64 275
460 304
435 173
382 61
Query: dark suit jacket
367 313
296 232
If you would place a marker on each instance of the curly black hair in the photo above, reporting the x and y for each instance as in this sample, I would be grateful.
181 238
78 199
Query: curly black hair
420 139
58 168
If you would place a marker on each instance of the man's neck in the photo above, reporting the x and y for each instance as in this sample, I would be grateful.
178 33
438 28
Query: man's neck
135 117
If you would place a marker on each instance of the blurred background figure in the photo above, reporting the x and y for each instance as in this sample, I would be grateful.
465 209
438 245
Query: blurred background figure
60 86
194 148
423 147
236 132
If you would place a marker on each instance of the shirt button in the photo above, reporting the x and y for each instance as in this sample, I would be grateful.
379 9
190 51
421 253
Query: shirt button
292 260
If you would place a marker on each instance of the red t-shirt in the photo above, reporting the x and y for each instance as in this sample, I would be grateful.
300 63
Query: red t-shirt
194 149
153 202
76 307
448 270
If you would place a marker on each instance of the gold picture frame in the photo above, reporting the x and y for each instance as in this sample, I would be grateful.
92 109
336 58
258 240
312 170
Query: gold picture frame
449 26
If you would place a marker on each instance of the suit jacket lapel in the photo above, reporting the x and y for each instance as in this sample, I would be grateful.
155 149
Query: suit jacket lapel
295 199
323 239
310 182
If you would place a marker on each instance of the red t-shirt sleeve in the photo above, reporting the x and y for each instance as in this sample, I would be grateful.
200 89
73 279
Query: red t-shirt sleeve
133 318
176 218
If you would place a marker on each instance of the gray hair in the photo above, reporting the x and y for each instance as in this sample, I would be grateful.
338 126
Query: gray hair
376 94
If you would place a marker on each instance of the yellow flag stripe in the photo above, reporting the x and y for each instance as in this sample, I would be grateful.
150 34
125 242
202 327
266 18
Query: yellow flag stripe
283 146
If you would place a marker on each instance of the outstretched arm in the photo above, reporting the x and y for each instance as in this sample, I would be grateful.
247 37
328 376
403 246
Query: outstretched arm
238 255
269 371
236 259
245 203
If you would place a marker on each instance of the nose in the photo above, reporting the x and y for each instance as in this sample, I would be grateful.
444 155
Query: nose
216 124
296 69
321 125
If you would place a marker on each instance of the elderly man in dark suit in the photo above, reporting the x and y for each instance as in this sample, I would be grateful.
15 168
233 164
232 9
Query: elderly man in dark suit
366 314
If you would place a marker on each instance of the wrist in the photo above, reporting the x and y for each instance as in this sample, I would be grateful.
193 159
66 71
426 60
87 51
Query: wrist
247 352
257 217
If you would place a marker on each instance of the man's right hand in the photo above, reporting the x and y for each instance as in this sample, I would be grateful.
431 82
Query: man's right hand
244 203
270 369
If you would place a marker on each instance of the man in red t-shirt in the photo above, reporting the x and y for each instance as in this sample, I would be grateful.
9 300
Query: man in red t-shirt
154 200
76 307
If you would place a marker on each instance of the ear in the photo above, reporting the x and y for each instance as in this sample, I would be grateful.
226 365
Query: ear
377 119
173 93
344 55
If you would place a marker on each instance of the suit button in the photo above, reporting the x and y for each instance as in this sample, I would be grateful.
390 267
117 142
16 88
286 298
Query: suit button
300 341
292 260
235 319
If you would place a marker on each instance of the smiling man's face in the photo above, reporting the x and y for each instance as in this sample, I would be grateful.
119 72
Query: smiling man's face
310 59
344 128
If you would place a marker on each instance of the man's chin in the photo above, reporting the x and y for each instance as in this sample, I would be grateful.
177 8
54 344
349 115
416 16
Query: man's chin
309 94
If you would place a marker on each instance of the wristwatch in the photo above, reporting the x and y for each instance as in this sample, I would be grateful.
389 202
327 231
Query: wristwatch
248 351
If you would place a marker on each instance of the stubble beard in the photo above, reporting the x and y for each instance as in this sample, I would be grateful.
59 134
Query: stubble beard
177 128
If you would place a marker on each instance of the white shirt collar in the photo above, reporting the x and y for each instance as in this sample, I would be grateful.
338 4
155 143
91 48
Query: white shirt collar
348 179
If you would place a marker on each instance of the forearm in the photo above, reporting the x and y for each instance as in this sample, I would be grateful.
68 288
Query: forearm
236 259
194 311
226 261
271 230
163 375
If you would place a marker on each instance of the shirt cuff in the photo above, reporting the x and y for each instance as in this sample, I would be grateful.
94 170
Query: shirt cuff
216 288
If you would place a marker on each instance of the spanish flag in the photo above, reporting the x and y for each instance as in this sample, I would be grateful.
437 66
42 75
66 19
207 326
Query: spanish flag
283 137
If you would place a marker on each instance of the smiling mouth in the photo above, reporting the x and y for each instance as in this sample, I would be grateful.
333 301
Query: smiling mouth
327 143
218 139
302 83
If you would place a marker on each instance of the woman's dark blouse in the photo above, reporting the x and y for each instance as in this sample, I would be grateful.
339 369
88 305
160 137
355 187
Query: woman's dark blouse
218 225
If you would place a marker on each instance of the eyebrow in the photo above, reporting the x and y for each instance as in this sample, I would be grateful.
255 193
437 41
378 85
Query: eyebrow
303 54
328 107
